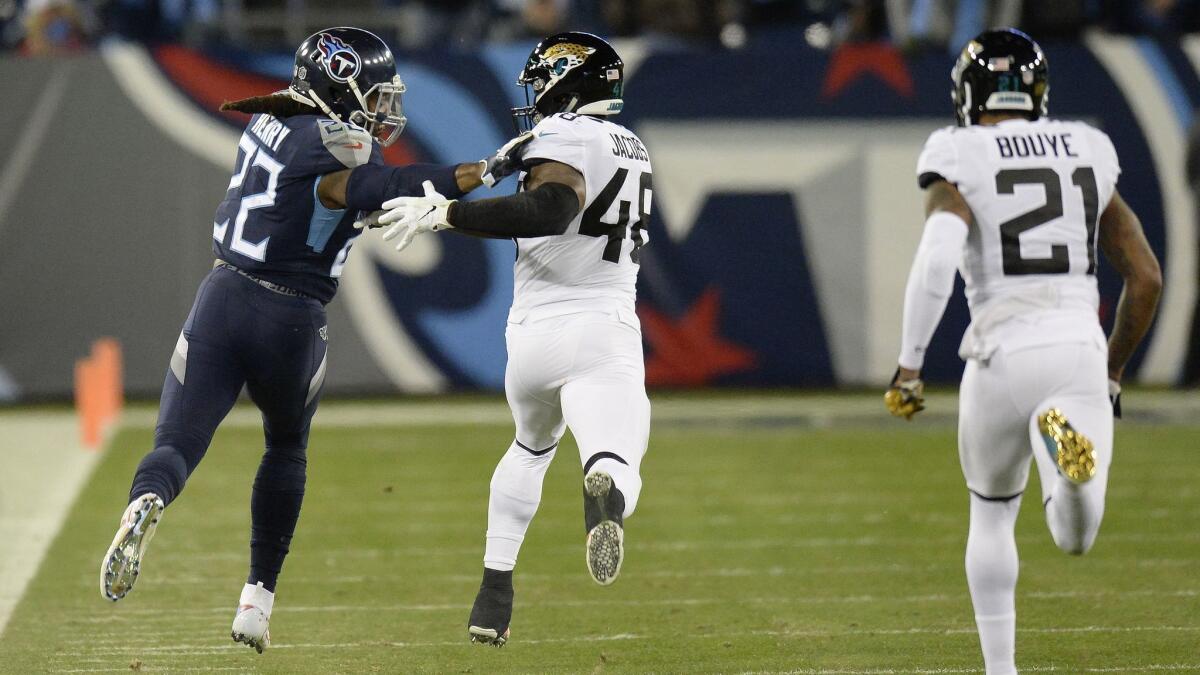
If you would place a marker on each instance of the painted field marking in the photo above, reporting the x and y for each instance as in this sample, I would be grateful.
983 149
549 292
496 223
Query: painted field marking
133 614
36 499
201 649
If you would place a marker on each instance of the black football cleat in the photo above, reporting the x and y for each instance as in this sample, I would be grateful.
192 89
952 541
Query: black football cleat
603 509
492 610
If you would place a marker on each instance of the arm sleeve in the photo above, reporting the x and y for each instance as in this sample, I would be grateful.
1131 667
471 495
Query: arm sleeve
930 283
371 185
939 159
544 211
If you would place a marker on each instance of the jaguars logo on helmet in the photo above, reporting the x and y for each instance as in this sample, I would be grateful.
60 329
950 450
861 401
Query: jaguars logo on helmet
350 75
1000 70
570 72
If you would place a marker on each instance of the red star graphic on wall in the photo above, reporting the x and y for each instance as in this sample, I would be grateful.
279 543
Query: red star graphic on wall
852 60
688 351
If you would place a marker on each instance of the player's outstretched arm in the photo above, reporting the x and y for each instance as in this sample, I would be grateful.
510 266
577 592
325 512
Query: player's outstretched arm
365 188
1126 249
554 193
930 283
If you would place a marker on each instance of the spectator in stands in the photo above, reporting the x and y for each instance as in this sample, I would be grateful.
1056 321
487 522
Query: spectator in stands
673 24
1154 17
948 23
54 27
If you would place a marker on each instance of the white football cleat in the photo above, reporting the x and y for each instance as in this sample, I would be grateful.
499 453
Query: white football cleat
123 560
250 624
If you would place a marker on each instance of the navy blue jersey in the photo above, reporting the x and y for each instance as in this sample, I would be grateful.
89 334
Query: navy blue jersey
271 223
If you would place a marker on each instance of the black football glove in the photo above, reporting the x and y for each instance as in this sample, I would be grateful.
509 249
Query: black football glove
506 161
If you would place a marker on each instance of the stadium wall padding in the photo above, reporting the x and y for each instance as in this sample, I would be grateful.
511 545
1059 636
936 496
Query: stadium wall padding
785 210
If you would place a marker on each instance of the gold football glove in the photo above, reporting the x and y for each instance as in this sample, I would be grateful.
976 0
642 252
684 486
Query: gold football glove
906 397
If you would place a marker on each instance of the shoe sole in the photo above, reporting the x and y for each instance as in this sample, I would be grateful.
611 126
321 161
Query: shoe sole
258 644
1073 453
605 541
122 563
487 636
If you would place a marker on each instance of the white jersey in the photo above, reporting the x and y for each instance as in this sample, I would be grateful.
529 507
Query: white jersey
1036 190
593 265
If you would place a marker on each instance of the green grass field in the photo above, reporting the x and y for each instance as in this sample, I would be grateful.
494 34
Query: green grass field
760 545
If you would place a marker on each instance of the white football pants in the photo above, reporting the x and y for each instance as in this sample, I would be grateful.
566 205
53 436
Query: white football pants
584 371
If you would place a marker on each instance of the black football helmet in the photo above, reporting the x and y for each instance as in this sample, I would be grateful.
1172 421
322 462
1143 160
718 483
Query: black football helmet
1000 70
570 72
350 75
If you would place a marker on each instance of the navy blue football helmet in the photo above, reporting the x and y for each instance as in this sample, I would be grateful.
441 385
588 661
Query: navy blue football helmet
350 75
1000 70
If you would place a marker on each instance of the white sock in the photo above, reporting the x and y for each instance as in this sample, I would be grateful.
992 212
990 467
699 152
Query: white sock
625 477
516 492
992 577
257 596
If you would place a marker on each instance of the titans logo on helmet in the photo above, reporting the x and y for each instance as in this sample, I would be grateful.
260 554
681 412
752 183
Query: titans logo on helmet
339 59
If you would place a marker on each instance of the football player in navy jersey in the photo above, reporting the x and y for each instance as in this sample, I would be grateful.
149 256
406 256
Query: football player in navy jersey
308 174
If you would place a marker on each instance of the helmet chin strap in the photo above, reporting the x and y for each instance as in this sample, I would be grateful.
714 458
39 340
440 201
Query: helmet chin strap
313 100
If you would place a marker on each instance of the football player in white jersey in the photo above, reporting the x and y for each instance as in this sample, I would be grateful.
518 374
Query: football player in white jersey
574 341
1017 203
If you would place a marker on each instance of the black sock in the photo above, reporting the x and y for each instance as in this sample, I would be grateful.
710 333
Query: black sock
274 510
496 579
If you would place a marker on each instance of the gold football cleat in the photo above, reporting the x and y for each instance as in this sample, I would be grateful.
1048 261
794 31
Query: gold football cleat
1071 450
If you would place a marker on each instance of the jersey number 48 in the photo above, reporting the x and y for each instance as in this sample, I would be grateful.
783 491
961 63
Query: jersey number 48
591 224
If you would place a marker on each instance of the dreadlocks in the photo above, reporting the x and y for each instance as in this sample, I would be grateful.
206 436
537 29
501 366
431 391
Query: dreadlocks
277 105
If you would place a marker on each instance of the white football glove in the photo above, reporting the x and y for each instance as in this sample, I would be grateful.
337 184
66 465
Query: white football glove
410 216
505 162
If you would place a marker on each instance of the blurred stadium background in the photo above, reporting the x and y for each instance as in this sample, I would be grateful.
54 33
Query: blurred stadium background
784 135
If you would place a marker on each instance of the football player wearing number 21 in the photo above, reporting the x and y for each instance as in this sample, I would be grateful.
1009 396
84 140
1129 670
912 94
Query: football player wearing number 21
308 174
1018 202
574 342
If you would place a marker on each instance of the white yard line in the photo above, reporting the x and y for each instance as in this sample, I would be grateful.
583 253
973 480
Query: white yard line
813 410
939 671
720 572
207 649
686 545
138 613
45 469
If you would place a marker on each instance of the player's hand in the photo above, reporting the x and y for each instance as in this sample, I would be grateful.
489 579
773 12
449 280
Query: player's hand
505 162
410 216
906 397
368 221
1114 397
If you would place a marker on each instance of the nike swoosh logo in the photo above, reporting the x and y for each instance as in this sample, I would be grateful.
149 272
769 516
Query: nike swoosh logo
431 210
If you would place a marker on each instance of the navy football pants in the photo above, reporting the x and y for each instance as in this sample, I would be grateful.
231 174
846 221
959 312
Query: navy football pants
240 333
